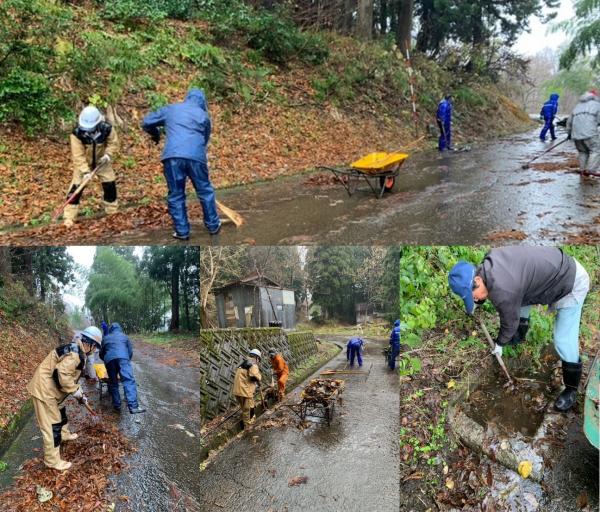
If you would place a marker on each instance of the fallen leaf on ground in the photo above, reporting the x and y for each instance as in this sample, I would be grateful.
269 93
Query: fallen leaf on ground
525 468
582 500
297 480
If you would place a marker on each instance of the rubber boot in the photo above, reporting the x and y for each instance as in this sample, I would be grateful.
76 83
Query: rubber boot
52 460
110 208
70 214
571 377
67 435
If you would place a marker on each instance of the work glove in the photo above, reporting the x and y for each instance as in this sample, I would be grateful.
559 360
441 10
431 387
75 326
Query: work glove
104 160
78 394
86 176
83 400
497 350
155 138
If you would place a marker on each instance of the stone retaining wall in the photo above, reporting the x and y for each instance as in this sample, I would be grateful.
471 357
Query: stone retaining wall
222 351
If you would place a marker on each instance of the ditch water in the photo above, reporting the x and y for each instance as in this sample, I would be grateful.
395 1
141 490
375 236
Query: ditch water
518 410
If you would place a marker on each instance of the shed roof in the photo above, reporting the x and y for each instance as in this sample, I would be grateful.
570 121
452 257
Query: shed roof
254 280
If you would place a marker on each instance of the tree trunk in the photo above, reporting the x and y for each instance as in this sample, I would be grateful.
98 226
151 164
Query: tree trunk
175 271
5 263
424 37
186 304
364 28
383 16
349 6
405 18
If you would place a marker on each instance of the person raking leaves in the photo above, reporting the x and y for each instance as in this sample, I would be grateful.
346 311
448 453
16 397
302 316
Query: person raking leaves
247 377
94 145
514 279
444 120
354 349
582 129
54 380
116 352
394 345
187 128
547 114
281 369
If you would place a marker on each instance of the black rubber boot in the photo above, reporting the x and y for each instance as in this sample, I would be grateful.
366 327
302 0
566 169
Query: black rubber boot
571 377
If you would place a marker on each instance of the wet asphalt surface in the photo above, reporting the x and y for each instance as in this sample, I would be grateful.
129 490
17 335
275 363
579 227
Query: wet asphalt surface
451 198
352 465
163 474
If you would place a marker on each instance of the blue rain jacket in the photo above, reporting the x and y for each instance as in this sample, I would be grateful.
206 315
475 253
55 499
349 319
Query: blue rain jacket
353 343
444 112
187 127
550 108
116 345
395 335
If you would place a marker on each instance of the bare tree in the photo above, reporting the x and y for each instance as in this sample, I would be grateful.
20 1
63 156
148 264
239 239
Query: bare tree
404 28
216 262
364 28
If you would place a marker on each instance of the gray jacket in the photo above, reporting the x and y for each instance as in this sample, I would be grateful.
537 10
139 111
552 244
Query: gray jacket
522 276
583 122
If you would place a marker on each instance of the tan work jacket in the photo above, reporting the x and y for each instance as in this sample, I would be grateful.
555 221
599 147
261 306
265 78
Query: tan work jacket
243 385
82 155
68 370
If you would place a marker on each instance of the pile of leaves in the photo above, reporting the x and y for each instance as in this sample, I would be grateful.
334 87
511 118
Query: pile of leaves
563 165
102 229
510 234
96 455
471 479
321 390
323 180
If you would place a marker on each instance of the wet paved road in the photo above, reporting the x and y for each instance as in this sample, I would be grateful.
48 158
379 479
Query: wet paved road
163 474
352 465
453 198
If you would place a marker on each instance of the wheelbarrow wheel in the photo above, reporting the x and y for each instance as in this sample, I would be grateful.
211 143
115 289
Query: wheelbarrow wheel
387 183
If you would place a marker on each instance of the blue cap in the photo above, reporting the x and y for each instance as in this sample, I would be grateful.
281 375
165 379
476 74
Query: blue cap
460 280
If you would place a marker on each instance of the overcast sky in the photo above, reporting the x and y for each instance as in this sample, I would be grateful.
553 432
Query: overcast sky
84 256
540 36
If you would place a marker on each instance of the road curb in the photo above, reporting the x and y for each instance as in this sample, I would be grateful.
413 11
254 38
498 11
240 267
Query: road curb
15 425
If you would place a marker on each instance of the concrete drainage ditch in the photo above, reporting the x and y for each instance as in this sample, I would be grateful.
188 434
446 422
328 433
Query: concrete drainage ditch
508 427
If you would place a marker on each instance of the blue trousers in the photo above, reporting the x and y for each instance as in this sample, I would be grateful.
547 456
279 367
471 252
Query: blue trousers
354 352
393 355
445 140
177 170
121 367
548 125
566 331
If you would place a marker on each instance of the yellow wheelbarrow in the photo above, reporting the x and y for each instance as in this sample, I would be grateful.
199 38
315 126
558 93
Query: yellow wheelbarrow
102 375
378 170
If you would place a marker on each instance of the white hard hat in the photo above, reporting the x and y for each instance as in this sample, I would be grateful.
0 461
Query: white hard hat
89 118
93 335
255 352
